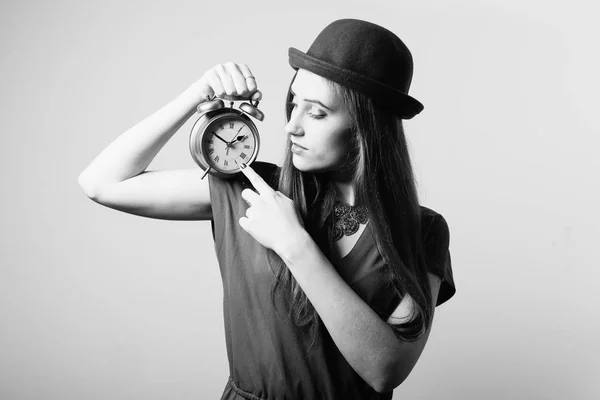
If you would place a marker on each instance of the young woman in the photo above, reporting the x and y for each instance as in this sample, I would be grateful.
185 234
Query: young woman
331 269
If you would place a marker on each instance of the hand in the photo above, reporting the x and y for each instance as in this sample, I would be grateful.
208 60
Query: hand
229 81
272 218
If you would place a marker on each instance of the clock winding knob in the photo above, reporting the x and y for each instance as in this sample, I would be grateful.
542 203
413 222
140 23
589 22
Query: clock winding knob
252 111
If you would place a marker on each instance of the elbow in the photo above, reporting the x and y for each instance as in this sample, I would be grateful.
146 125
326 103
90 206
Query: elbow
392 376
395 369
88 189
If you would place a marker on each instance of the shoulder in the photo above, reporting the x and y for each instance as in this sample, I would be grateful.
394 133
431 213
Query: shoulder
436 242
428 213
268 171
435 232
227 190
433 224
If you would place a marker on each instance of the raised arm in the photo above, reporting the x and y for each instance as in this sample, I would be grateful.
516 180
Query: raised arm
117 177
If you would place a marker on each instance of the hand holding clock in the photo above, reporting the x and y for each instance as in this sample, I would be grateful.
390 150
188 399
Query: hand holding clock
229 81
215 135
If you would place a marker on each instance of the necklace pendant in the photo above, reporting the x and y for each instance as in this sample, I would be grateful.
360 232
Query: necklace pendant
360 214
347 219
337 233
340 209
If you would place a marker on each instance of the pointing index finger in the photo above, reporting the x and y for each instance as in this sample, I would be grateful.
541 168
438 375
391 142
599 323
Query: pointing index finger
257 181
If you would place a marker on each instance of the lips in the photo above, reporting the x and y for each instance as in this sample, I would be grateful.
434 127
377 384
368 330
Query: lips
299 145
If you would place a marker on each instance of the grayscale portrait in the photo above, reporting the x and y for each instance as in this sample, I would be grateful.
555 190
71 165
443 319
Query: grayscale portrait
314 200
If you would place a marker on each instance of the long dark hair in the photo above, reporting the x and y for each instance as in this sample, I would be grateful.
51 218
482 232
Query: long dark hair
384 182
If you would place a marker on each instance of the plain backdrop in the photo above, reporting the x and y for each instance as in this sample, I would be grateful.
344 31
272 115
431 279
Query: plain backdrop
99 304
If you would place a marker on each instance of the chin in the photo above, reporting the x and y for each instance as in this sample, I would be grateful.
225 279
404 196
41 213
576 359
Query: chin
303 166
299 165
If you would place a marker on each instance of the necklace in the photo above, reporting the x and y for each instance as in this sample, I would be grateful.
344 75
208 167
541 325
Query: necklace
347 219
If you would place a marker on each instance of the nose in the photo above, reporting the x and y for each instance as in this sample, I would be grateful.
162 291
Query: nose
293 126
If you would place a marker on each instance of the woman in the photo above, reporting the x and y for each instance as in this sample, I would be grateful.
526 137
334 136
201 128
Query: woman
331 268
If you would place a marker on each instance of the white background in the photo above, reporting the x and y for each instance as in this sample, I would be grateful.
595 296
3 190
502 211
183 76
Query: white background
98 304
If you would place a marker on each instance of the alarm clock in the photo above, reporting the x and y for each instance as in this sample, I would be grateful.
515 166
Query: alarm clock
224 137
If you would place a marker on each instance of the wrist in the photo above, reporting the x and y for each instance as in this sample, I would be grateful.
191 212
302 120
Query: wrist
296 247
194 95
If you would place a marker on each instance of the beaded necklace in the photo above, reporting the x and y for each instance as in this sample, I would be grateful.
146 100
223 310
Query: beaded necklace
347 219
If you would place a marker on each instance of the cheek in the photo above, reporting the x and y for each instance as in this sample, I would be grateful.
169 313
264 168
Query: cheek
335 150
329 146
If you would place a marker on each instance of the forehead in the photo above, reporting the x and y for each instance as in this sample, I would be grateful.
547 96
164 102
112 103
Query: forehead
312 86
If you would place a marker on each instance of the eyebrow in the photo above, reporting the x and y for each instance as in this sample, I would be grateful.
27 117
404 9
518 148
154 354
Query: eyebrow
312 101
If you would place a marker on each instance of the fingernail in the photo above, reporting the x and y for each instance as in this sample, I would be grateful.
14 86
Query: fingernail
242 165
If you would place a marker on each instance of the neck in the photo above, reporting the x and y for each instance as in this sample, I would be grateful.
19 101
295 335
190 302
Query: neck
342 179
345 192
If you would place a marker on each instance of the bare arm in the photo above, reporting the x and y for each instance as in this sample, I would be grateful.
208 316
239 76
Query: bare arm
366 341
117 177
131 153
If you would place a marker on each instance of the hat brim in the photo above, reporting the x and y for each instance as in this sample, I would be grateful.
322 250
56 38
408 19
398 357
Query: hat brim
402 104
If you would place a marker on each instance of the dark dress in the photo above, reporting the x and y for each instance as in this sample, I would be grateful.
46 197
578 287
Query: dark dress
269 358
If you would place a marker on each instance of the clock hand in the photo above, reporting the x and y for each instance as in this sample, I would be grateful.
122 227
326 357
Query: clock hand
226 142
237 139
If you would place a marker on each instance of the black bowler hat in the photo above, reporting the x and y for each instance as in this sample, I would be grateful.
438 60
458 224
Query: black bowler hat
365 57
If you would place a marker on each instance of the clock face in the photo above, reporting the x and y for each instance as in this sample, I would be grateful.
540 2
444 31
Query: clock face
227 142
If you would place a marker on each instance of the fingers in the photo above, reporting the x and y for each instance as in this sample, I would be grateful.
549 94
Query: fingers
226 80
250 196
237 78
249 78
231 81
243 221
214 83
259 184
256 96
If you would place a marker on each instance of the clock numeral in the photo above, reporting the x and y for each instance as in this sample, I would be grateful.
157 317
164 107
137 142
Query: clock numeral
246 146
243 155
225 163
211 140
221 127
216 159
231 125
211 150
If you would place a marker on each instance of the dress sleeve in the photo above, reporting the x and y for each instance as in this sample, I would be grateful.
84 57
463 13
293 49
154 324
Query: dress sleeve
228 206
437 255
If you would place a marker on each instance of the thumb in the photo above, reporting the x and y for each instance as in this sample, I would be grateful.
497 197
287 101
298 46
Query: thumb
243 221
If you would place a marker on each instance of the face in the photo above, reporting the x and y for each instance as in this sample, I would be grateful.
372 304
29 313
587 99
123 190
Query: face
319 124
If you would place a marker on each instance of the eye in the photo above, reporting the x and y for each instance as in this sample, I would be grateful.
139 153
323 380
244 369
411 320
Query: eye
316 113
313 112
